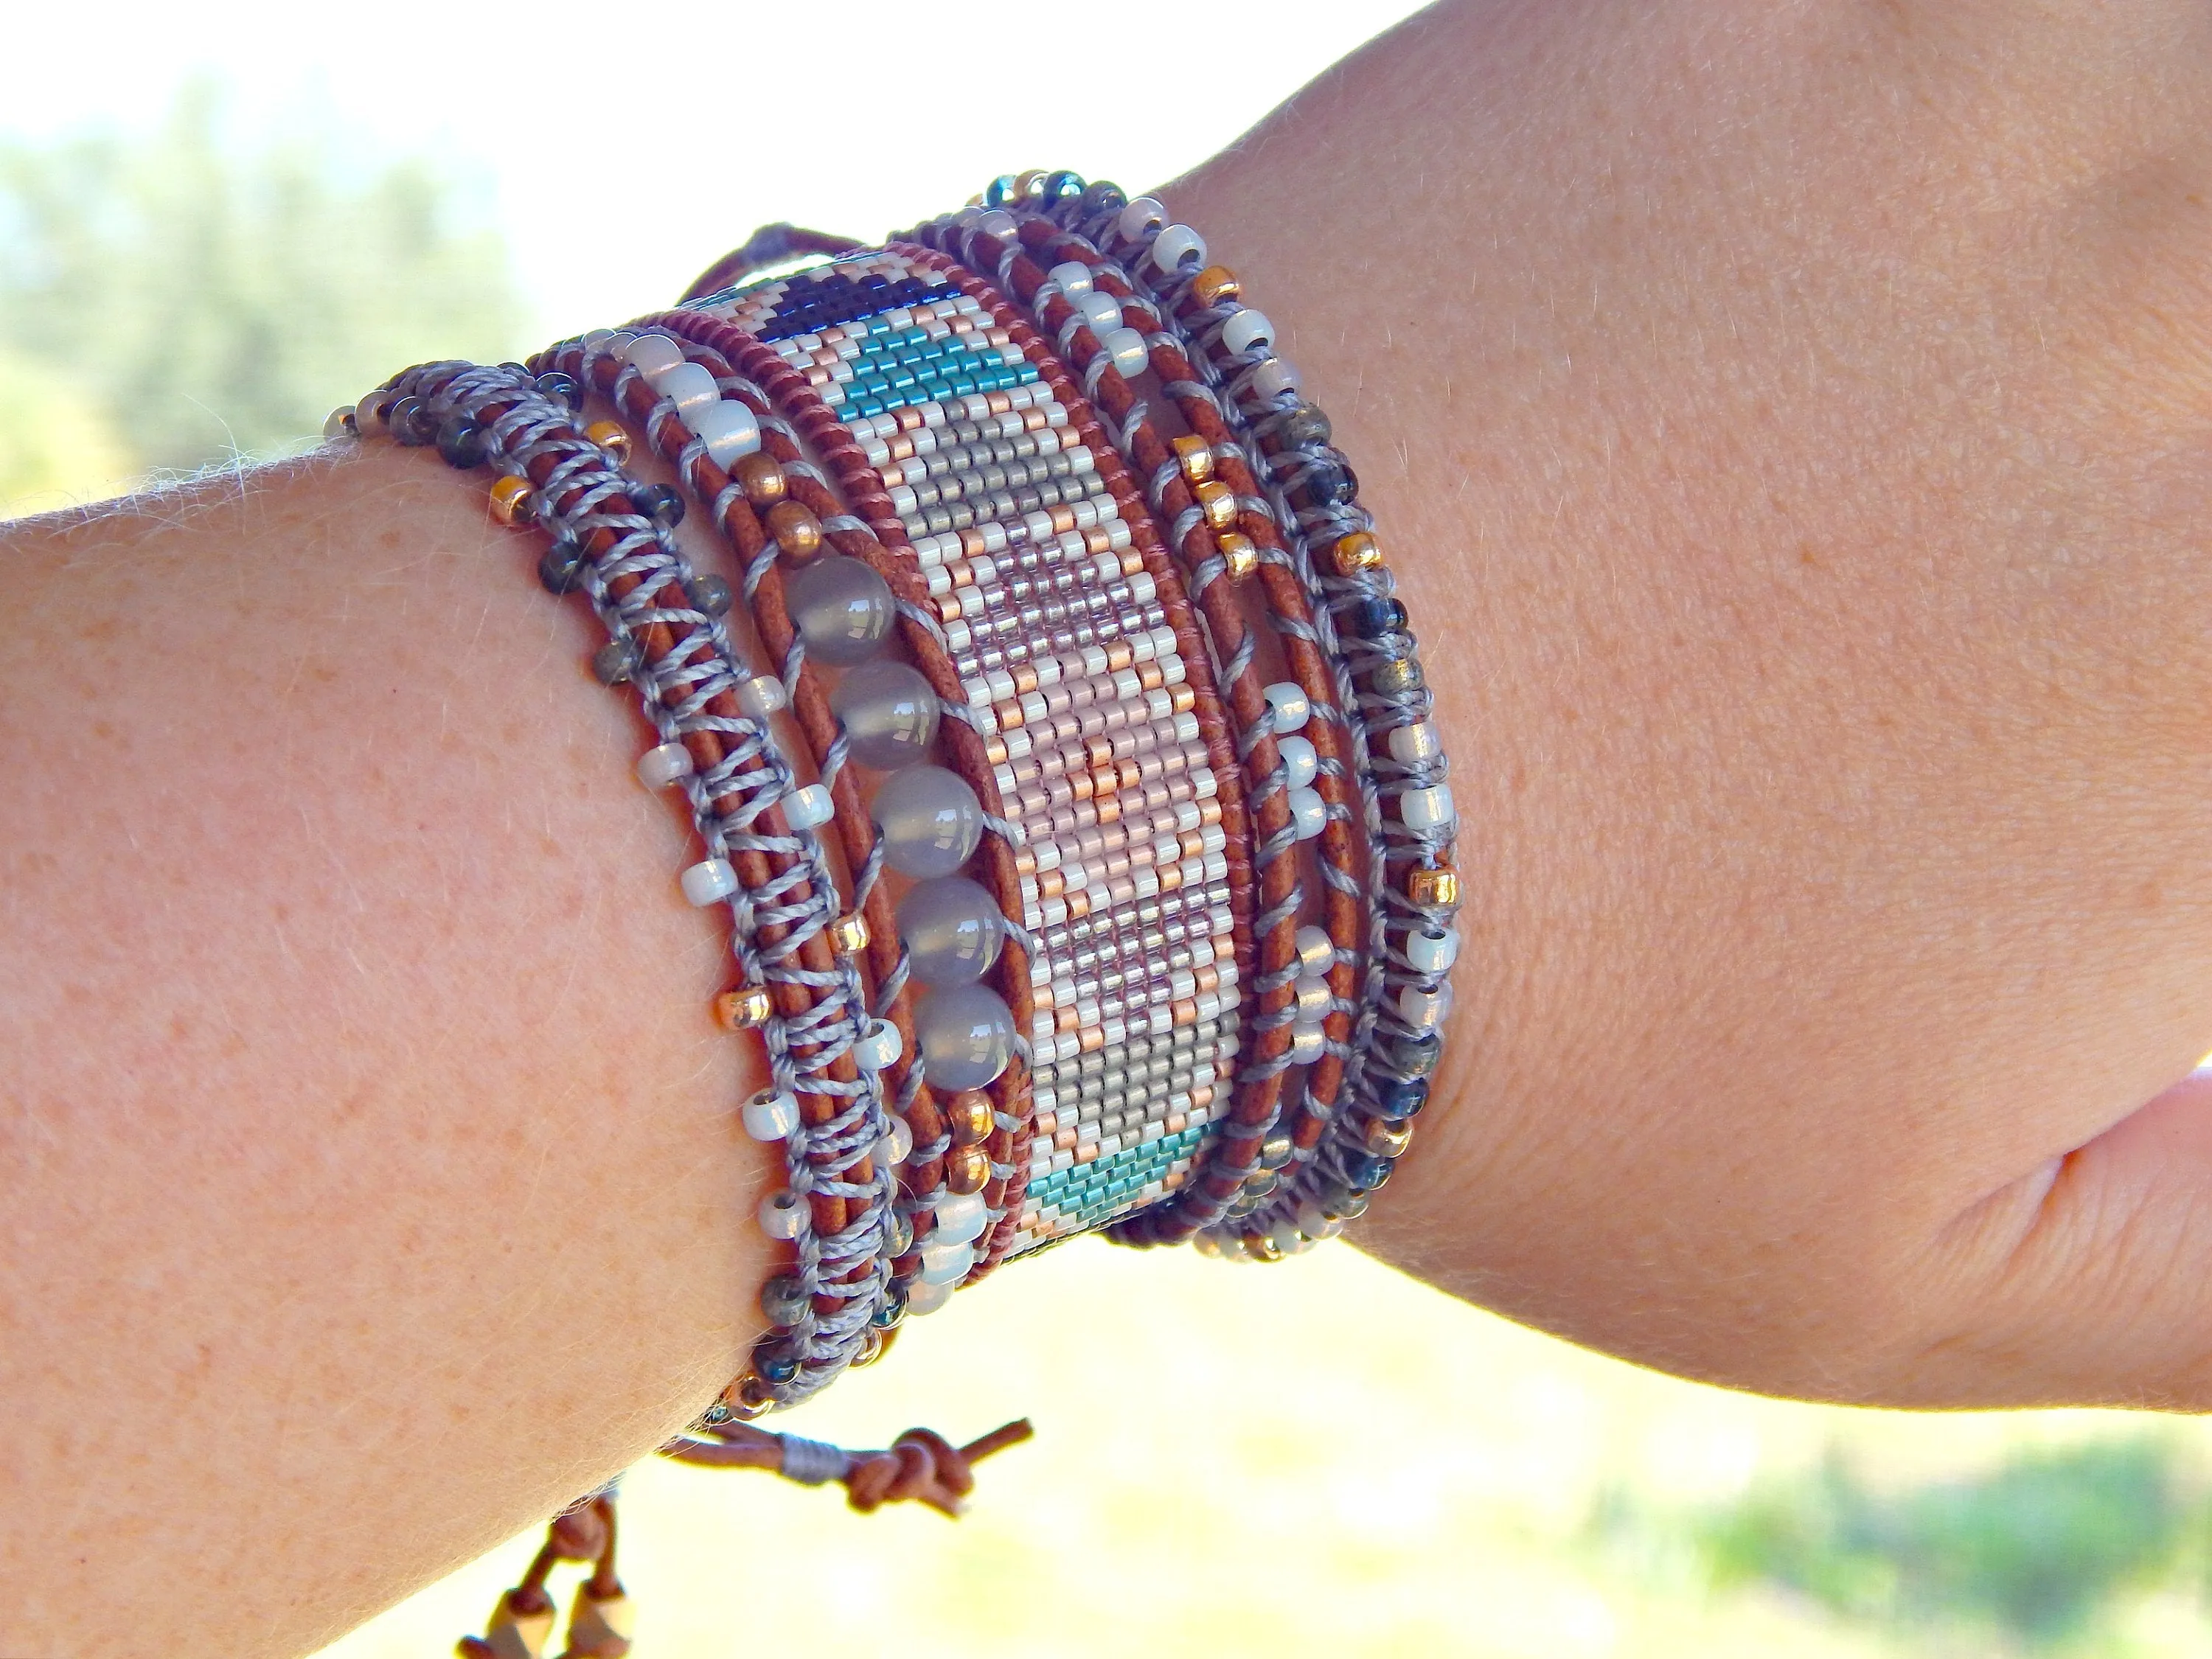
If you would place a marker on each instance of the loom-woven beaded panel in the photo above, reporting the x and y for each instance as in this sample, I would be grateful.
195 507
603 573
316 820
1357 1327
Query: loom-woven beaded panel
1075 678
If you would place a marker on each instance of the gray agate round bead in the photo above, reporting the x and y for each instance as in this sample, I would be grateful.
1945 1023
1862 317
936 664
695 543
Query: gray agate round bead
952 929
889 712
967 1037
931 821
840 608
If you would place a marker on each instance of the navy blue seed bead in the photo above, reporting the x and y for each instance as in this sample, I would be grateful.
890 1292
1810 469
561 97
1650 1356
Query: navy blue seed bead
1371 616
1103 197
561 386
461 441
1000 188
561 567
1401 1096
1063 183
1325 483
662 503
1417 1056
411 423
1365 1171
776 1362
891 1314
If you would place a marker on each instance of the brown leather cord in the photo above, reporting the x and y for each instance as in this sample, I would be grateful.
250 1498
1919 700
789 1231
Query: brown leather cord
886 550
1342 847
920 1466
771 244
1228 1158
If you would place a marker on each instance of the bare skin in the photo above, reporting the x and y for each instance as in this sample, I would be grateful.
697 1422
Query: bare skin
1788 426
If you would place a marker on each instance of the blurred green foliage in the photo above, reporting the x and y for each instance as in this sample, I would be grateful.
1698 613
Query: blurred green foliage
172 298
2035 1550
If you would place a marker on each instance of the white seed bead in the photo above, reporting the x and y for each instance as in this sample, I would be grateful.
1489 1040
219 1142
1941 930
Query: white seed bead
923 1298
961 1217
1308 813
1178 248
1432 953
996 222
1289 705
879 1046
658 767
1287 1238
1316 950
728 428
1412 745
1314 1222
1273 377
1425 1009
1426 809
783 1215
709 882
1073 277
1140 216
946 1263
1248 331
1127 347
1101 311
809 806
1300 761
897 1143
762 696
1313 1001
771 1114
691 387
1306 1043
649 354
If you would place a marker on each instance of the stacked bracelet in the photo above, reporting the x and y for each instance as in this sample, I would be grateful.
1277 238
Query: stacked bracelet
1085 838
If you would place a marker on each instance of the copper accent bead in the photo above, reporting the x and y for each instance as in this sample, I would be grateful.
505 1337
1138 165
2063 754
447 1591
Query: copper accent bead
745 1009
1239 553
1428 888
1215 285
1356 552
796 530
761 476
1194 456
967 1169
970 1117
512 497
848 934
1220 502
610 436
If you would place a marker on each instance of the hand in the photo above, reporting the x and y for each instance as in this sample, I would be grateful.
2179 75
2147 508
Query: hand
1789 424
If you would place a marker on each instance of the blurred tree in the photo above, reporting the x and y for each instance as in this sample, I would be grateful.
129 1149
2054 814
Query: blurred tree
203 300
2037 1548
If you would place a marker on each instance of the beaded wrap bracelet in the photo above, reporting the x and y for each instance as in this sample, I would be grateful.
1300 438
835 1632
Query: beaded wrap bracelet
1086 844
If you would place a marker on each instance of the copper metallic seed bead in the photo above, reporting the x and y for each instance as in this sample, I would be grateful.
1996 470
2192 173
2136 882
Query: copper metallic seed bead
848 934
761 476
1214 284
967 1170
512 498
1195 457
743 1010
1218 501
1432 888
1239 553
796 530
610 436
969 1115
1356 552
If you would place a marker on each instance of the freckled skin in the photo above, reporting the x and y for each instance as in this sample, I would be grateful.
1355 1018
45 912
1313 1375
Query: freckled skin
1786 427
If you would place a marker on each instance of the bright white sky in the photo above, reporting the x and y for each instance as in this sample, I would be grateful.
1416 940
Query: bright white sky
906 112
